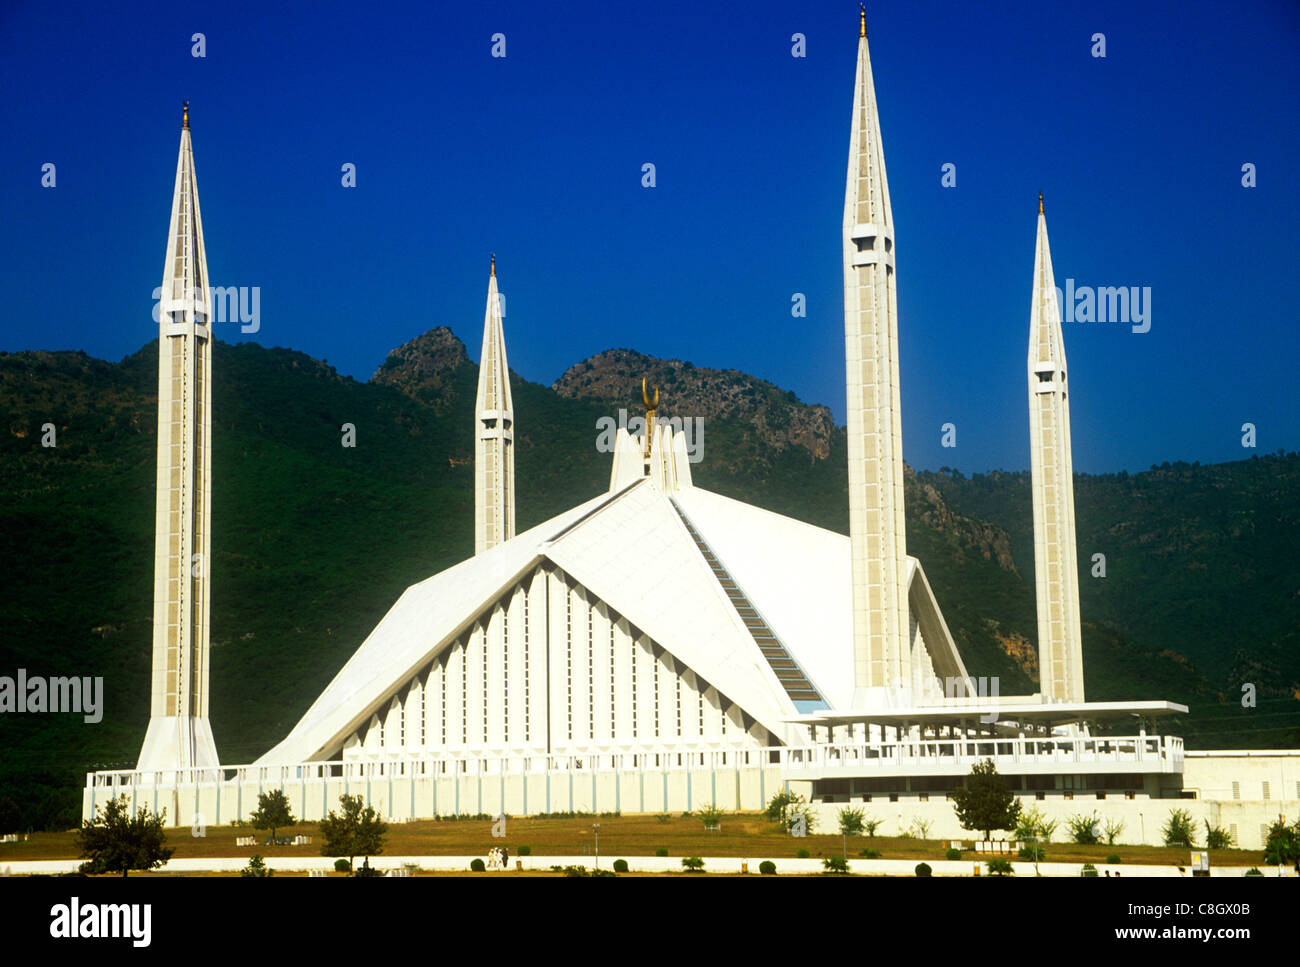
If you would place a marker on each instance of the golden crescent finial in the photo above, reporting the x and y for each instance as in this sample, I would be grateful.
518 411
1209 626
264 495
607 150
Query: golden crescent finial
185 115
1040 203
494 263
862 19
645 395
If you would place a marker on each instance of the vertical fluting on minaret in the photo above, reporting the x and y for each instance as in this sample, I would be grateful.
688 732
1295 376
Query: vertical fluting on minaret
494 419
881 658
1056 571
179 734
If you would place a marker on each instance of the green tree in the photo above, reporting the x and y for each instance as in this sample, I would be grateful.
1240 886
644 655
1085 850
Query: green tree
357 832
116 842
985 803
10 818
272 812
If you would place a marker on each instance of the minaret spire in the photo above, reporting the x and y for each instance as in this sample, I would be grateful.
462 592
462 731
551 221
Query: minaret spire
494 418
1056 572
179 734
881 656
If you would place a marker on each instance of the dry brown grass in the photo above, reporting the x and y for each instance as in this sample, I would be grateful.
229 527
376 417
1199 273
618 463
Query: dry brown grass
742 835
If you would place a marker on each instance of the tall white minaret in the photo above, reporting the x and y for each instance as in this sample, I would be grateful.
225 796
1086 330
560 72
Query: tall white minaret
494 420
1056 571
179 734
881 658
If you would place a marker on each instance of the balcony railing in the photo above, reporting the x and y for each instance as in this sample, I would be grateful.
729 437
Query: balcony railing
899 757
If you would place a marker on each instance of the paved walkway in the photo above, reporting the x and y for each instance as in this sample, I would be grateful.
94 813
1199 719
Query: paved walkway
640 864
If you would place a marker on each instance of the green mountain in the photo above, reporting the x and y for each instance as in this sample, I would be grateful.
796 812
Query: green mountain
314 541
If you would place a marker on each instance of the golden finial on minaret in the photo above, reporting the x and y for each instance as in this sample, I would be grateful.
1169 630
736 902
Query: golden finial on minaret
494 263
650 408
862 19
1040 203
185 115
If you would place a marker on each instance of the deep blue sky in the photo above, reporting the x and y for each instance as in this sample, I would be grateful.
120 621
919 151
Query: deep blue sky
538 156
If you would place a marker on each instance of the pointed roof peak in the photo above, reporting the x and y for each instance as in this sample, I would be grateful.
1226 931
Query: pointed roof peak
494 265
862 19
1040 203
185 115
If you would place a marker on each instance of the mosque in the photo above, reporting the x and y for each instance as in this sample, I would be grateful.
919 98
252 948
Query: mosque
733 654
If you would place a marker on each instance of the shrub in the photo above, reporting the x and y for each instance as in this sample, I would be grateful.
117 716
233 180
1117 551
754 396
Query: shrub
1088 870
869 853
661 851
1084 828
801 854
1178 830
620 866
1034 823
851 821
767 868
1216 837
1113 828
952 854
791 811
1035 854
256 867
692 864
365 869
712 817
663 818
869 826
923 869
477 865
920 828
1113 859
835 864
1000 867
524 851
1254 871
1282 846
342 866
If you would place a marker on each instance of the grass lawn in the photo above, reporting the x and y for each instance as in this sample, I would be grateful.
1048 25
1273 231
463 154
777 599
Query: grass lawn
742 835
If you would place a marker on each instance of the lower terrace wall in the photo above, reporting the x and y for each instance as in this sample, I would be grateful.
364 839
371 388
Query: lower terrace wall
1208 779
